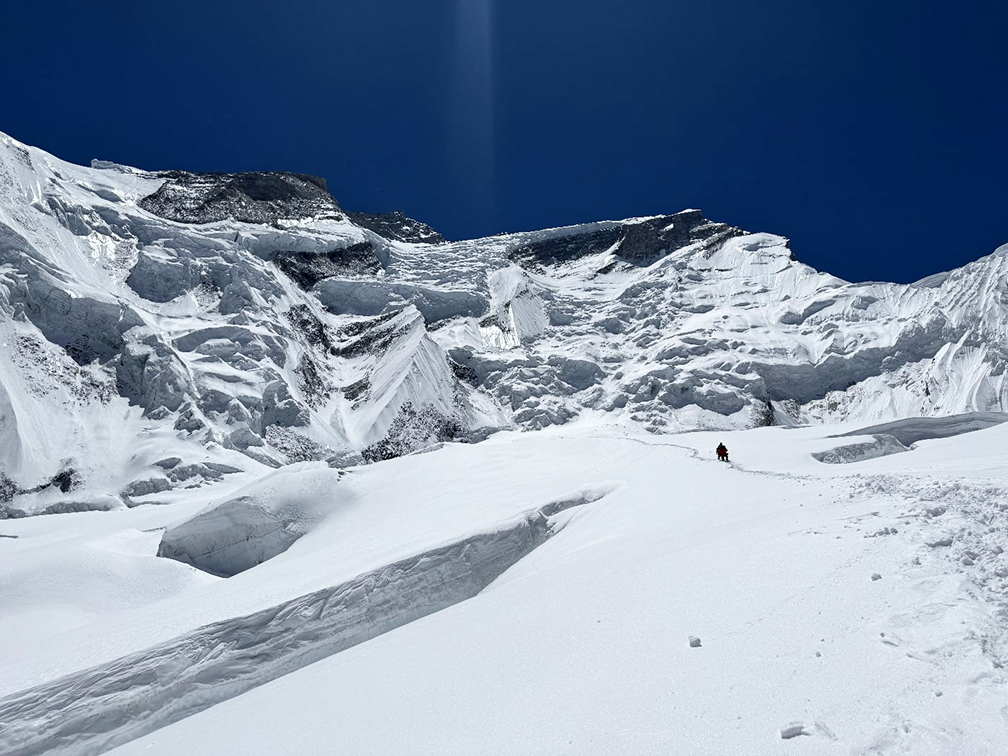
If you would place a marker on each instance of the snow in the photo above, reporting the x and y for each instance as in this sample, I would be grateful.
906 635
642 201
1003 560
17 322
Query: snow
517 313
574 648
578 644
880 446
211 329
195 558
257 522
911 430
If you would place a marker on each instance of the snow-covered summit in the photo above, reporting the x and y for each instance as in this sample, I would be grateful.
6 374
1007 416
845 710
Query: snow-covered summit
245 320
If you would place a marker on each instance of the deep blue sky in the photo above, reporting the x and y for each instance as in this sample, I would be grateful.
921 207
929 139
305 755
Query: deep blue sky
873 134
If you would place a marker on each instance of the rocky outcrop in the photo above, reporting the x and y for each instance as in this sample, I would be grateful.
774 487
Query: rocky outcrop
248 197
397 227
308 268
637 243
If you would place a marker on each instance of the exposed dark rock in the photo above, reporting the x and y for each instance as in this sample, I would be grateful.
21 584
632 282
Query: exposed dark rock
314 387
397 227
362 326
66 480
314 330
308 268
637 244
463 373
357 390
413 429
250 197
294 446
764 414
372 336
8 488
492 321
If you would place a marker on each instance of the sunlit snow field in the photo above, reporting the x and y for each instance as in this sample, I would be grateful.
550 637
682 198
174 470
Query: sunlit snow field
857 607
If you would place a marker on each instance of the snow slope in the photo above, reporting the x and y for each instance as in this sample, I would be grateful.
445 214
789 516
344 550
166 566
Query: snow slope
581 643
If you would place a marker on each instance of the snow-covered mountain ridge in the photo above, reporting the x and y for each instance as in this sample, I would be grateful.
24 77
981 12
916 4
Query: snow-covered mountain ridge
246 320
240 349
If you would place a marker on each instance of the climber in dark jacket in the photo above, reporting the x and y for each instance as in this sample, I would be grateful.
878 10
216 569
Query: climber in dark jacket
722 452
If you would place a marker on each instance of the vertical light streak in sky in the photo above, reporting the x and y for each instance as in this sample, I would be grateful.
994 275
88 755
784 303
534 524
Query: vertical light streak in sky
471 130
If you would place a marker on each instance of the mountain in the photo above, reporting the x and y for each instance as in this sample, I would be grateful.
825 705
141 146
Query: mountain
165 329
233 401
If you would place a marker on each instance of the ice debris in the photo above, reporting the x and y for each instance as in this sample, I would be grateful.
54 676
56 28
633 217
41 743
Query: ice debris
792 731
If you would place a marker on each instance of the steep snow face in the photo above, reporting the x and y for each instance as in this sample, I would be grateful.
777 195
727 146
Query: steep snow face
179 307
247 320
517 311
398 371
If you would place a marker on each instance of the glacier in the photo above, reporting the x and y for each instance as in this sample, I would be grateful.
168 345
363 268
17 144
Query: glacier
279 476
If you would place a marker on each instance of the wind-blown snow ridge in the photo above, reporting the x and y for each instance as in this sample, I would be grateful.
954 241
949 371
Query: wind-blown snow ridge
100 708
247 320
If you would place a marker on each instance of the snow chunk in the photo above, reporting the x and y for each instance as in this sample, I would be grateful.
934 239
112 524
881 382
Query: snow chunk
792 731
882 446
261 521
